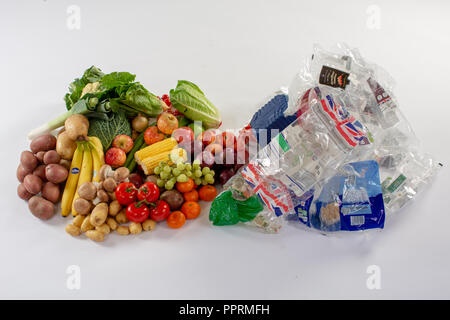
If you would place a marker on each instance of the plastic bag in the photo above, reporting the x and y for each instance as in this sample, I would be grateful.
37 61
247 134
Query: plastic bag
318 141
350 201
346 154
404 169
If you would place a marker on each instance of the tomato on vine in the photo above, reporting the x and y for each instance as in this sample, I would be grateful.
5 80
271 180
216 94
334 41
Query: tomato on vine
160 211
126 193
137 212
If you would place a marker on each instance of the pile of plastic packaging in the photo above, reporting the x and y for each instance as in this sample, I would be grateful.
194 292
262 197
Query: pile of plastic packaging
335 153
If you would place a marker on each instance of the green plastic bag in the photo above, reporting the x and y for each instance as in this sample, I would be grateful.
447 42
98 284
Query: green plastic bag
225 210
249 208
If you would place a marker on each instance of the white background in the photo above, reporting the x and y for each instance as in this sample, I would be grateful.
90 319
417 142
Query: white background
238 52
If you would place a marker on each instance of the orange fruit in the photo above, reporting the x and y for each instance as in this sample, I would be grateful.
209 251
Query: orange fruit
191 195
207 193
185 186
176 219
191 209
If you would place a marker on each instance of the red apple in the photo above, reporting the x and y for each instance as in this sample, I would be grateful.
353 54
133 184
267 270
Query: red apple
183 135
207 137
197 147
123 142
167 123
229 157
115 157
152 135
214 148
206 159
186 145
229 140
245 139
242 156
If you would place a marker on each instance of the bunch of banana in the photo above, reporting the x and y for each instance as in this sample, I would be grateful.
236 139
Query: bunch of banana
86 163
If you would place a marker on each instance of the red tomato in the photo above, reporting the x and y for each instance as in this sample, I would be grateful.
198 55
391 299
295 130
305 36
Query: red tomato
148 191
126 193
137 212
160 212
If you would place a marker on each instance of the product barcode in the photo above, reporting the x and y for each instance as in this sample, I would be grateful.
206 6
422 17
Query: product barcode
357 220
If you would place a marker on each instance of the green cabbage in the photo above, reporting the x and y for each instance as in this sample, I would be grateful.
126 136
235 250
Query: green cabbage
107 130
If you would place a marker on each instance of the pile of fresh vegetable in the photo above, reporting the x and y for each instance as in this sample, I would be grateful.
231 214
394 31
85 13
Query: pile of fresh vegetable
124 159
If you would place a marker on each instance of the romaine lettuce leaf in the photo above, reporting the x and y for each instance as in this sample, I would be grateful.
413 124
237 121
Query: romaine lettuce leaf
140 99
116 79
192 102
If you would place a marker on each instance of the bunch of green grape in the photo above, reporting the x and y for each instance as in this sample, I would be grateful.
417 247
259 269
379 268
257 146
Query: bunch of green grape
169 175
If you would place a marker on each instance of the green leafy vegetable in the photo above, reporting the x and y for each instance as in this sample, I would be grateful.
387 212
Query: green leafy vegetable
98 95
120 86
106 130
192 102
143 101
183 121
116 79
91 75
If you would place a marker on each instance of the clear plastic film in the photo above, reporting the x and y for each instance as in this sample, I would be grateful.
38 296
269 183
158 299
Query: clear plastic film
402 170
344 157
307 151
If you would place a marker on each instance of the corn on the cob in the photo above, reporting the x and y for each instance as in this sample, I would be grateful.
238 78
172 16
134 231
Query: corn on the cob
155 149
150 163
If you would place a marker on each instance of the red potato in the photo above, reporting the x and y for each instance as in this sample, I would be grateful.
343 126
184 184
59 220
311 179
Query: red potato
43 143
40 156
56 173
23 193
22 172
40 172
51 157
136 179
28 160
32 183
41 208
51 192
